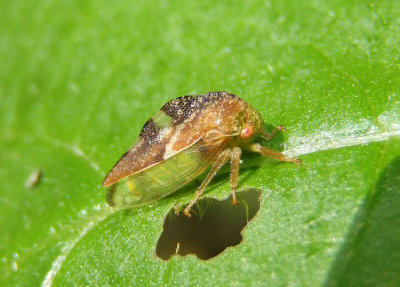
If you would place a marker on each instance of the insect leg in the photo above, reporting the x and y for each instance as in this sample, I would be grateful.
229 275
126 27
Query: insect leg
256 147
268 136
222 158
235 161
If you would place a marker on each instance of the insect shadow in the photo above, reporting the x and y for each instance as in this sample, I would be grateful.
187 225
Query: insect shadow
214 226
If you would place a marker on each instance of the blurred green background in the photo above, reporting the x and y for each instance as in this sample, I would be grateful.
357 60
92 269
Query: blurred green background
78 79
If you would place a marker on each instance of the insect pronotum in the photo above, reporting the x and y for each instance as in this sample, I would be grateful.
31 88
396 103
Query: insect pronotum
178 143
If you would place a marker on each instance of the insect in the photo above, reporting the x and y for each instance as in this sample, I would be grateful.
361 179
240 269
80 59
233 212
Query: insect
181 141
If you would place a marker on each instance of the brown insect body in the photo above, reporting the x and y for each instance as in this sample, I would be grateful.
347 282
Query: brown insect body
198 130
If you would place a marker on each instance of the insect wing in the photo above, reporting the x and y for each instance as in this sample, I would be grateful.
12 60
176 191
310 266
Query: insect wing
150 150
165 177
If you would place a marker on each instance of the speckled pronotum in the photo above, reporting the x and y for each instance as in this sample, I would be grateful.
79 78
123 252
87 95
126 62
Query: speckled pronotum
178 143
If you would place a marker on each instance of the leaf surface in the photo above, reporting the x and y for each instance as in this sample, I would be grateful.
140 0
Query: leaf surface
80 78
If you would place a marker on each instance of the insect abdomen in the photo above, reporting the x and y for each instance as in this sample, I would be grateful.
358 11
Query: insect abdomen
160 180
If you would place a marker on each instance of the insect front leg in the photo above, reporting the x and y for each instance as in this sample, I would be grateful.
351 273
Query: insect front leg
256 147
268 136
235 162
221 160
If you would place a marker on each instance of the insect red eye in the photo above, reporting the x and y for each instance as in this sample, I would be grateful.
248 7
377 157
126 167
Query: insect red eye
247 132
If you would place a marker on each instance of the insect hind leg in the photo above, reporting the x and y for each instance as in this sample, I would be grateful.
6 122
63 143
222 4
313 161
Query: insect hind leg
221 160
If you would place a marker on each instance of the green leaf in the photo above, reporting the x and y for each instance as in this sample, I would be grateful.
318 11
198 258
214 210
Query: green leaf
80 78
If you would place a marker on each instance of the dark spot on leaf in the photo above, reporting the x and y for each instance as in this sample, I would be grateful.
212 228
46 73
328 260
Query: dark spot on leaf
34 179
214 226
